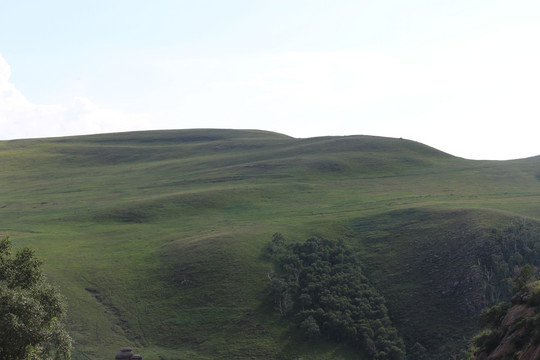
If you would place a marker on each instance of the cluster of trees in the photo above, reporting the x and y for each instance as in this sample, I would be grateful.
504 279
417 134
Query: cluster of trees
32 312
319 283
520 243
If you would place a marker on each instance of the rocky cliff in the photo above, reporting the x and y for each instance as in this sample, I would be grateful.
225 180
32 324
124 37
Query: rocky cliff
513 328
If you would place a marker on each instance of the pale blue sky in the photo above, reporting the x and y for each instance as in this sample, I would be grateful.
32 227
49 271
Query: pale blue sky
462 76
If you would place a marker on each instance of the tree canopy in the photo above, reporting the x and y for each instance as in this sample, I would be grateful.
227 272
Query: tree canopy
32 312
320 284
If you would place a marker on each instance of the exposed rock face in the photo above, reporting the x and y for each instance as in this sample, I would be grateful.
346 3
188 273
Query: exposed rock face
532 352
517 335
124 353
127 354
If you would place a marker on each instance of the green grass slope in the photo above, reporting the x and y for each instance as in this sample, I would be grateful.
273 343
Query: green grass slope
155 237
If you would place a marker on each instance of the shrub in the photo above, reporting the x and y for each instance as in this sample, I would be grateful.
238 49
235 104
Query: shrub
486 340
493 316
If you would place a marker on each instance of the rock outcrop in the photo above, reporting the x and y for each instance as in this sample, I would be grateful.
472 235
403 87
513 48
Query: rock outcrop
516 335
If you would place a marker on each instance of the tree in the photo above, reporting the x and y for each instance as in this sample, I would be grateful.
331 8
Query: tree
310 328
417 352
525 275
32 311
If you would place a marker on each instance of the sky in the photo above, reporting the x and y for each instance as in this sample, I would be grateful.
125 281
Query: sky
462 76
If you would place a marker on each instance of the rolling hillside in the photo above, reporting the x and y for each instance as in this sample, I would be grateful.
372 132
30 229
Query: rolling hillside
156 238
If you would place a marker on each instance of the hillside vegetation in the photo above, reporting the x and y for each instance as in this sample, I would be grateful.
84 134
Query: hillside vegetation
512 328
157 238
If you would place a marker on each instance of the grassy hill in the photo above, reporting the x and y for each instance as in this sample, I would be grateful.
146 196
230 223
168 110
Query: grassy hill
156 238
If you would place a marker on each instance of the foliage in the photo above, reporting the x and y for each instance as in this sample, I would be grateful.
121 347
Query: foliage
486 340
310 328
31 310
493 316
508 261
534 294
417 352
525 275
522 332
320 284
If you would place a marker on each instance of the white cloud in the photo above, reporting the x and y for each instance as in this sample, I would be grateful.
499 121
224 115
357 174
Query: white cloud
477 98
21 118
474 97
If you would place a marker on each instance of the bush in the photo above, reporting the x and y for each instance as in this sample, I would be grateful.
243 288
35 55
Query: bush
525 275
486 341
493 316
534 294
310 328
417 352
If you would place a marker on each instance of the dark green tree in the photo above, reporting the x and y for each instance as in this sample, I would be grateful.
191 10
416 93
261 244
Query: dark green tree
32 311
310 328
525 275
417 352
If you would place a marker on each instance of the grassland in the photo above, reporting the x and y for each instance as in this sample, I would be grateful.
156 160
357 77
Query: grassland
155 238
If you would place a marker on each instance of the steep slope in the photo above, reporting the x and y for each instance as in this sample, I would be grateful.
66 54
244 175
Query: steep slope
155 238
438 269
512 331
